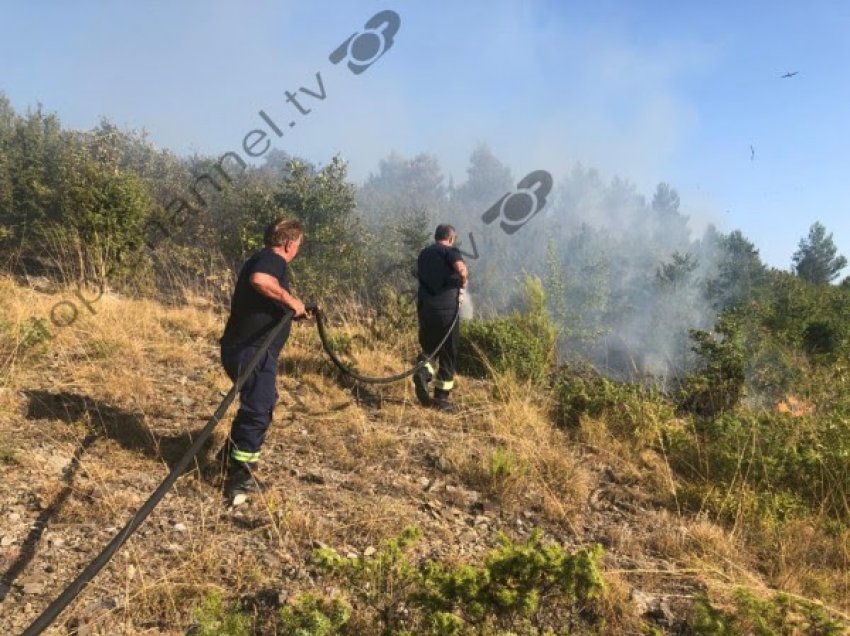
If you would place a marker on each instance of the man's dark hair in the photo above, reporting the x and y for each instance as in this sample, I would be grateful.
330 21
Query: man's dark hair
443 232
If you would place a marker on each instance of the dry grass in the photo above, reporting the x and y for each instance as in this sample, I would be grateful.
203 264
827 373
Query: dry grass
513 454
124 390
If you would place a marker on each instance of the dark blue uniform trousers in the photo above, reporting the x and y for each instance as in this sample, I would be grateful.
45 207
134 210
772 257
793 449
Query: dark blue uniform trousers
257 399
433 326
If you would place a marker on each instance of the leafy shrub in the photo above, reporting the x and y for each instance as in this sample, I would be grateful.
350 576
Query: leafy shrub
314 616
773 369
396 314
820 338
632 412
718 386
521 343
497 474
788 462
34 333
216 618
780 615
503 463
523 587
380 582
512 583
801 314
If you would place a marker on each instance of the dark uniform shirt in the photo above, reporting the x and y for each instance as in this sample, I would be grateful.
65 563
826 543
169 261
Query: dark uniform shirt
438 279
253 315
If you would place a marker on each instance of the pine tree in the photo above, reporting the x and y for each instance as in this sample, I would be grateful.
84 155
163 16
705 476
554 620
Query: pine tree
816 260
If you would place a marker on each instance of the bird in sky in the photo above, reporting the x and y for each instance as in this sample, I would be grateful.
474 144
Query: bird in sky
752 153
789 74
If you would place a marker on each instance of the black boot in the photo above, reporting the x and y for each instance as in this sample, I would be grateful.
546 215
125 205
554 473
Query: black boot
441 401
420 384
241 481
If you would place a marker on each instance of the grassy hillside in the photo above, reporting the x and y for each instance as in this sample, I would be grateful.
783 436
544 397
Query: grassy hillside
560 503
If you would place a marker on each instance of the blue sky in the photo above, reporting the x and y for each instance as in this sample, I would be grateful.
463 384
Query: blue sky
648 91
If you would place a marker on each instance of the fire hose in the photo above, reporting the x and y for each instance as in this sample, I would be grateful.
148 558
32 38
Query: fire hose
323 336
44 620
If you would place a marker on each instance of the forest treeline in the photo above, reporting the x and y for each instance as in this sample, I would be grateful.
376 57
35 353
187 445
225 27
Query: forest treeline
625 279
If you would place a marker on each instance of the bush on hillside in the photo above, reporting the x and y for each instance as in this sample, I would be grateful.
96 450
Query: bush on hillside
780 458
631 411
718 386
780 614
527 588
521 343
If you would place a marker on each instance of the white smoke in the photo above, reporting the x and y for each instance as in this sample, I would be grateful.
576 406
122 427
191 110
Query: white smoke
467 309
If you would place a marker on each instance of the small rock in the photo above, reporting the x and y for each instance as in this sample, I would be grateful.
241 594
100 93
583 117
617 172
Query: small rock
32 585
424 482
179 527
369 551
186 401
33 588
7 540
652 607
351 555
482 520
96 607
173 548
239 499
13 517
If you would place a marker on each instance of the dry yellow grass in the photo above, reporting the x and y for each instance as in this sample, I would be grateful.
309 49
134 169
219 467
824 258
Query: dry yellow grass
125 389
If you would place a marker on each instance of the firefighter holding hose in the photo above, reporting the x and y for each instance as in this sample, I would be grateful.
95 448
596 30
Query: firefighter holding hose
442 277
260 299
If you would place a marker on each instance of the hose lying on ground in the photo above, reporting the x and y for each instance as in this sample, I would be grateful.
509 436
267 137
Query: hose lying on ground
70 593
96 565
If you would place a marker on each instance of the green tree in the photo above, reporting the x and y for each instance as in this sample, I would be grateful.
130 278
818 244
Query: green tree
740 272
32 149
672 226
402 187
99 210
492 279
333 259
487 180
578 287
816 259
677 272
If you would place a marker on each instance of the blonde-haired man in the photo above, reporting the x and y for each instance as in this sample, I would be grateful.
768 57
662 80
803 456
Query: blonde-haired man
261 297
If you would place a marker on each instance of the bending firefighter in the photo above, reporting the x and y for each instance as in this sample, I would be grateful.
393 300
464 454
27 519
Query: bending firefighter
261 297
442 278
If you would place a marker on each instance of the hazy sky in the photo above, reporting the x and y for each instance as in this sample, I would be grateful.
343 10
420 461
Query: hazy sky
649 91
